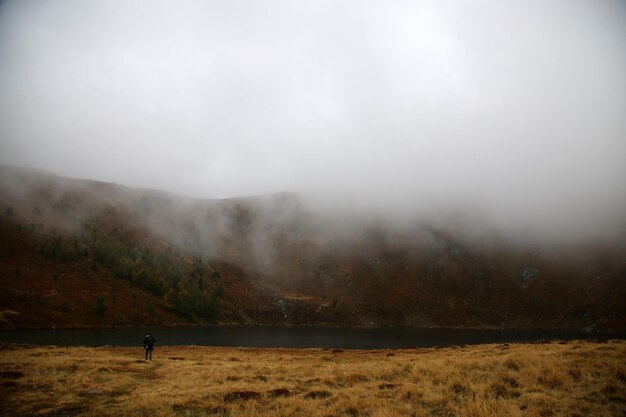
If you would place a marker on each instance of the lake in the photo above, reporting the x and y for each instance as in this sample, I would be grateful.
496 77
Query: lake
290 337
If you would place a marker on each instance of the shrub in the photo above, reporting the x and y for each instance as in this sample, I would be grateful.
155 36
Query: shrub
100 308
148 308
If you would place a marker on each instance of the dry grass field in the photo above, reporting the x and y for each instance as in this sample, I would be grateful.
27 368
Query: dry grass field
545 379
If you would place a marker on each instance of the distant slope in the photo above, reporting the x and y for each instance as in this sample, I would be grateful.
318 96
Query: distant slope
39 292
57 280
80 254
271 260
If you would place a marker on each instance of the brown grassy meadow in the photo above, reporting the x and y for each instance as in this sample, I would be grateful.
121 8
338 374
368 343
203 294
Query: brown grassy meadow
546 379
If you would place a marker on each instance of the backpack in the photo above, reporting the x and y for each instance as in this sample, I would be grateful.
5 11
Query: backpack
148 341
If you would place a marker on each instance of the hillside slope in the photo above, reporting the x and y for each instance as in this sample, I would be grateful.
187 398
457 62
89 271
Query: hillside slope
271 260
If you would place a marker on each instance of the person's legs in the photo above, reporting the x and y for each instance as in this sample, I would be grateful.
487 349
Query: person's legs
150 350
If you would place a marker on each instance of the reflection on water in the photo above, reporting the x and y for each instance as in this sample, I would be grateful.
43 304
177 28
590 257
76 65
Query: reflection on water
290 337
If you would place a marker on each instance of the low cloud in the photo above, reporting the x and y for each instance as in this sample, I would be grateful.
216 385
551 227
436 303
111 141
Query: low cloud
512 112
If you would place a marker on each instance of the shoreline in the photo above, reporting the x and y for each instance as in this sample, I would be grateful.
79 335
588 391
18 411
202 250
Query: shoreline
304 326
298 337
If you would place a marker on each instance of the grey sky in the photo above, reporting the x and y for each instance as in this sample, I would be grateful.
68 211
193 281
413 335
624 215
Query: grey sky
517 108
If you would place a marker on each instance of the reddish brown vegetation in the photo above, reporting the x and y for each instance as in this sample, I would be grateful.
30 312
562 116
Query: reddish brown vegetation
39 292
301 277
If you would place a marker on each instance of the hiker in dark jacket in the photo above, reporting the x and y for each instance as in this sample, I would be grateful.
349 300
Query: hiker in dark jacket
148 345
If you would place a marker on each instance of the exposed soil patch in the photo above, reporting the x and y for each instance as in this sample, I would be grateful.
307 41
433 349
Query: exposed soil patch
11 374
501 391
241 396
317 394
279 392
69 411
459 389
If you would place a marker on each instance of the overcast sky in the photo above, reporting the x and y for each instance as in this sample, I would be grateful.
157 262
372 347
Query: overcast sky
516 107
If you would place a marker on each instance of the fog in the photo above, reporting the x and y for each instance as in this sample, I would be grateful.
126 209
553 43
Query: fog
514 112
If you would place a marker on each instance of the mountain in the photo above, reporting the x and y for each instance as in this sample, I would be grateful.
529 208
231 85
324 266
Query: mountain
80 253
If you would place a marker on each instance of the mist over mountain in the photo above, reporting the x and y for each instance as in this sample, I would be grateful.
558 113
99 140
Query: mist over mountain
272 260
431 163
509 116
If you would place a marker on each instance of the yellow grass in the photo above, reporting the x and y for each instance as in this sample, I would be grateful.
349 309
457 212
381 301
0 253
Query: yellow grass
554 379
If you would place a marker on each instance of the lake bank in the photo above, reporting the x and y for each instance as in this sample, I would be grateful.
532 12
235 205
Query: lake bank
291 337
555 379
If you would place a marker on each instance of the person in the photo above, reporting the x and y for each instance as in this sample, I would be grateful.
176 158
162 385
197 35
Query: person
148 345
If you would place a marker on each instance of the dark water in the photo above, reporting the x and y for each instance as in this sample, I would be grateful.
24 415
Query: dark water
290 337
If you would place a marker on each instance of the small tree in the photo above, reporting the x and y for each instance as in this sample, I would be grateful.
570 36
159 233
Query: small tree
218 292
148 308
100 308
